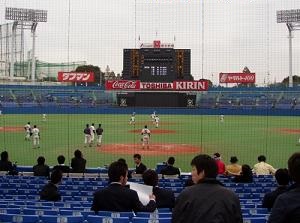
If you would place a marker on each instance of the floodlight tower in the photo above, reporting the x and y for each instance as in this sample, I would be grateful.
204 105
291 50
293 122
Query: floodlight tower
292 20
26 19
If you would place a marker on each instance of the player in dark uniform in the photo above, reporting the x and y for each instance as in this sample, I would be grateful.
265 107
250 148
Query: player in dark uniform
99 132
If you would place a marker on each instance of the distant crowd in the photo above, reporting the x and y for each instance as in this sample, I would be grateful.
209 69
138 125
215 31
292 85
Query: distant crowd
204 198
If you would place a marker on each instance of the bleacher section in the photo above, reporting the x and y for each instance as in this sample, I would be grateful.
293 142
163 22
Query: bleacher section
20 199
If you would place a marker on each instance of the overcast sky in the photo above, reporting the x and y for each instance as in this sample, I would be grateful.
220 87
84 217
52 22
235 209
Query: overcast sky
237 33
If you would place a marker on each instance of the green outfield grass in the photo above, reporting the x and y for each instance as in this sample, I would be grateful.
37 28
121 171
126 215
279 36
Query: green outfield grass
243 136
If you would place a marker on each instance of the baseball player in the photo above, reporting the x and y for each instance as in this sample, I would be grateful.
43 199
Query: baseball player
35 137
87 136
99 132
93 131
156 120
145 137
132 119
153 116
27 128
221 118
44 117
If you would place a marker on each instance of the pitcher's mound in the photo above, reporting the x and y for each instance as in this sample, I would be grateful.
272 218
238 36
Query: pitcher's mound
154 149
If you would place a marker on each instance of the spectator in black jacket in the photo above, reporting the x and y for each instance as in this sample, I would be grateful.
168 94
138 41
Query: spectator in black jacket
170 169
140 168
78 162
246 175
5 164
61 165
50 191
41 169
282 178
164 198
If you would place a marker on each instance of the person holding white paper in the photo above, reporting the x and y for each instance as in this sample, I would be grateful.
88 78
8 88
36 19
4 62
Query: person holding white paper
116 196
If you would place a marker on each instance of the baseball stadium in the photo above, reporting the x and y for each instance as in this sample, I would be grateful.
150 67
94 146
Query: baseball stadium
158 78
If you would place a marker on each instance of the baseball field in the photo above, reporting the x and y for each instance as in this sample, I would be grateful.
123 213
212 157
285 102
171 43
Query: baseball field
181 136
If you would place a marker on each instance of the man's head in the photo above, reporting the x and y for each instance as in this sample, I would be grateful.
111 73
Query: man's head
56 176
117 172
93 124
41 160
87 125
61 159
233 159
203 166
34 126
137 158
150 178
28 123
4 156
99 125
171 161
261 158
145 126
282 177
217 156
294 167
77 153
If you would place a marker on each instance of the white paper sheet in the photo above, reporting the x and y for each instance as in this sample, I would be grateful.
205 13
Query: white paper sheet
142 190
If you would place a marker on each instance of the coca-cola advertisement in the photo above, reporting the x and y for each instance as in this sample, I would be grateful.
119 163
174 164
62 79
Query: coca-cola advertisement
122 85
245 78
75 77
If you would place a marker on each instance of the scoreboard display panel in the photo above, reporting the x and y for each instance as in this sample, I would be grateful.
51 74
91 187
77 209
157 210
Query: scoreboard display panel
156 64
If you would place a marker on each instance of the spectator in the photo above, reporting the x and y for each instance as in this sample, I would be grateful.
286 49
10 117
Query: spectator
164 198
263 168
61 165
246 175
207 200
129 172
282 178
140 168
50 190
220 164
170 169
117 197
78 162
233 169
286 208
5 164
41 169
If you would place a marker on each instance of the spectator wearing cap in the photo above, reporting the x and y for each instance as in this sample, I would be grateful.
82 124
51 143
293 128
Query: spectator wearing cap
283 179
233 169
220 164
164 198
170 169
263 168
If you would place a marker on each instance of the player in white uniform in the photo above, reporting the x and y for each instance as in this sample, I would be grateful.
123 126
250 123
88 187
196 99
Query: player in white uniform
221 118
93 131
87 135
27 128
132 119
153 116
156 120
44 117
145 137
36 137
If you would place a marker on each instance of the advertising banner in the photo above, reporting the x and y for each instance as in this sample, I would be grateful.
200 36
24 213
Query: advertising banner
75 77
245 78
122 85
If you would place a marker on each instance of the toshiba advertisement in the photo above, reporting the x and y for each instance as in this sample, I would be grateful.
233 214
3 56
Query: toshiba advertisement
240 78
75 77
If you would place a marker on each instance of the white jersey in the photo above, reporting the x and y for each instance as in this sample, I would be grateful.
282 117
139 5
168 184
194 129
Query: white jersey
132 118
92 128
156 119
145 132
27 127
35 132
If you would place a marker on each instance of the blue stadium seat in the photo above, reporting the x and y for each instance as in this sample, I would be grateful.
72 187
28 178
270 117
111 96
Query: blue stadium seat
149 220
19 218
97 219
255 220
39 212
63 219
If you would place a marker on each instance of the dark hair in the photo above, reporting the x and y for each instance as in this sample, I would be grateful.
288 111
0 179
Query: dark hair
261 158
56 176
122 160
171 160
282 176
233 159
145 126
150 178
77 153
99 125
138 156
294 167
116 170
207 164
61 159
217 155
246 171
41 160
4 156
93 124
87 125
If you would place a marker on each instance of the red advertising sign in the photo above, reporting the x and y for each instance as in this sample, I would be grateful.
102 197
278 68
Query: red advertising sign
156 86
156 44
190 85
122 85
75 77
246 78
